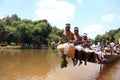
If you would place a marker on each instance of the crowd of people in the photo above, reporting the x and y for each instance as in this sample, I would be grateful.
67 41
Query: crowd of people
78 47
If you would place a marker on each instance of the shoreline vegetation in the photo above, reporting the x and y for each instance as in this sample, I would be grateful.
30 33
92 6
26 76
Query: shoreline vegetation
27 33
22 47
25 46
10 47
17 33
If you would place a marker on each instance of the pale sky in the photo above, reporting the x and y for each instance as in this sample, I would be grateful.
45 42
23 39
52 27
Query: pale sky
91 16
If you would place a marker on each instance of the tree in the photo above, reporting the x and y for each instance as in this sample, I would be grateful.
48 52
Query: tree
6 21
2 32
15 29
14 17
113 36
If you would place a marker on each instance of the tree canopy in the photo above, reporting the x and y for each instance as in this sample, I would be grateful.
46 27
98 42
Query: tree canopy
17 30
112 35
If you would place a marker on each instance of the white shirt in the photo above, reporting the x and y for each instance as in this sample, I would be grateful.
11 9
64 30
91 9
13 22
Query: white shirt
112 44
96 47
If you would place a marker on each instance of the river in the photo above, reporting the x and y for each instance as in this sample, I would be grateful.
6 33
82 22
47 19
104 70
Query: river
44 64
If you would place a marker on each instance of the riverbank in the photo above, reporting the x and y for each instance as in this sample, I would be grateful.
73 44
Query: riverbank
10 47
23 47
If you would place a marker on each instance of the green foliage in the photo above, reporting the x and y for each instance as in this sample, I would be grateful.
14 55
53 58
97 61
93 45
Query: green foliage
2 32
13 29
54 36
113 35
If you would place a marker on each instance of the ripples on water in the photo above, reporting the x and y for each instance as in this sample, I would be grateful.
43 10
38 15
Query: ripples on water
44 64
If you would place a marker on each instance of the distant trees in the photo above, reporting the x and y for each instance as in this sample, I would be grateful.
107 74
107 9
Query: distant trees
17 30
13 29
113 35
54 36
2 32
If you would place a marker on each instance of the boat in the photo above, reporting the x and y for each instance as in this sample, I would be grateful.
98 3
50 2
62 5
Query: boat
111 58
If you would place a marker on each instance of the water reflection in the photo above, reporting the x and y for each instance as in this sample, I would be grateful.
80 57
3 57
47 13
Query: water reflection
110 71
44 64
26 62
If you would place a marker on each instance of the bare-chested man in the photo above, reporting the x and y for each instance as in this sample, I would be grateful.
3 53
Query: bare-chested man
108 49
86 47
78 38
78 46
63 49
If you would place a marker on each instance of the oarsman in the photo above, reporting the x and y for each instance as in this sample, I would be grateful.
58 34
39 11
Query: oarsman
78 46
107 48
117 49
86 47
66 48
97 49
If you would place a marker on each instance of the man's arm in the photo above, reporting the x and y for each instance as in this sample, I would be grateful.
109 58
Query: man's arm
77 40
60 41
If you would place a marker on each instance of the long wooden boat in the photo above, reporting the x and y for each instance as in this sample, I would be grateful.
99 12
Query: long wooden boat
111 58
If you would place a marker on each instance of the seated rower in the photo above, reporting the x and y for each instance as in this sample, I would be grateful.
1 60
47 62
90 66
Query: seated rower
108 49
97 49
86 47
117 49
78 46
66 48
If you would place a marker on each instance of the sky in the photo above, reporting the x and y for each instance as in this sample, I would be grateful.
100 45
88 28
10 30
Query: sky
91 16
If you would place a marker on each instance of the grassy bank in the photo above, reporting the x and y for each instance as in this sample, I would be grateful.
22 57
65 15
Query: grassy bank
10 47
21 47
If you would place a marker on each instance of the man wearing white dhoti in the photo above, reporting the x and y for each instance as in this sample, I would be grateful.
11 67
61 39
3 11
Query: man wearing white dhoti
97 49
66 48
